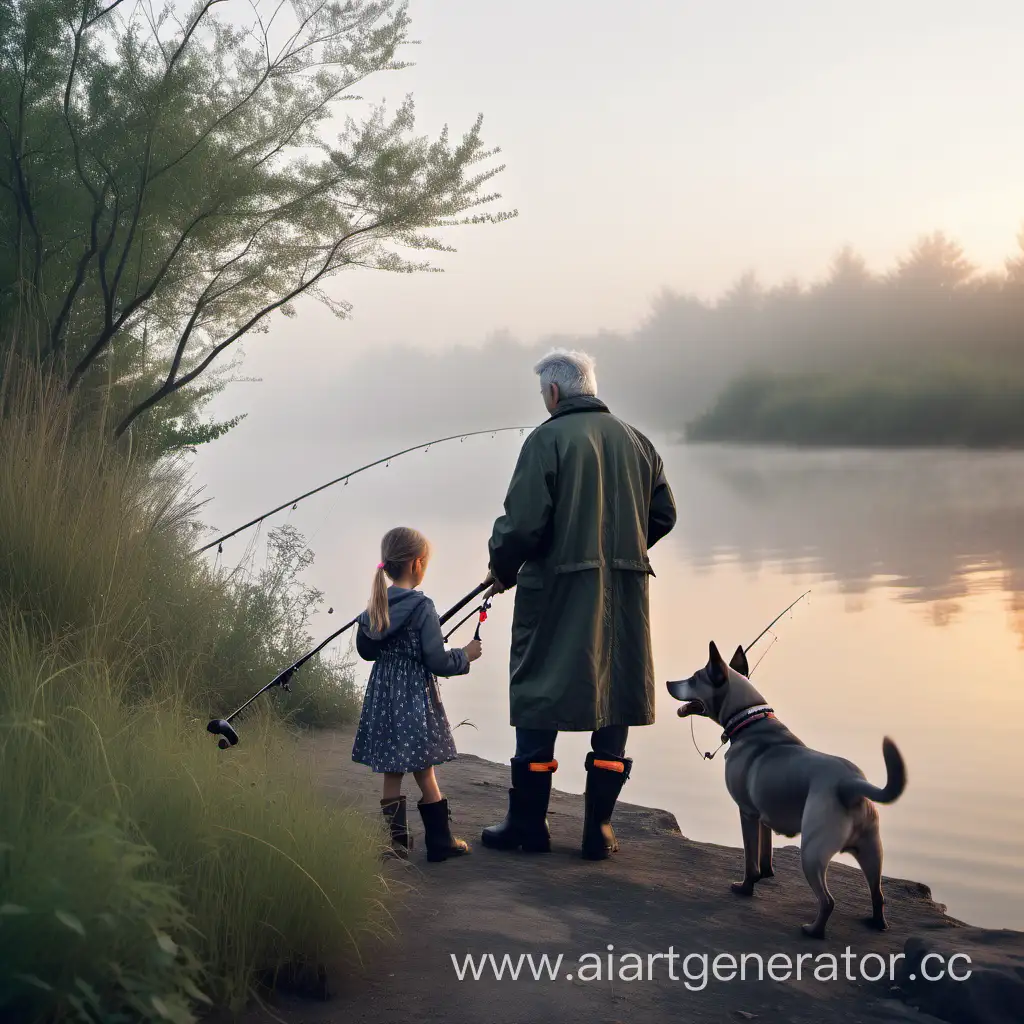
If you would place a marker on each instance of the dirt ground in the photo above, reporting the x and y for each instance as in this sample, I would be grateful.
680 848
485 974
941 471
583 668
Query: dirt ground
661 893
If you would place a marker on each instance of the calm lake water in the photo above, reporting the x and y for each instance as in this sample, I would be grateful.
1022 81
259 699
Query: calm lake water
914 627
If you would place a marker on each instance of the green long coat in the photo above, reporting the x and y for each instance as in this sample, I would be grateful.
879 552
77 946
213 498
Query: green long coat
588 498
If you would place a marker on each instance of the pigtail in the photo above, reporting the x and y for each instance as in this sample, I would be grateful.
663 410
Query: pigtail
378 606
398 549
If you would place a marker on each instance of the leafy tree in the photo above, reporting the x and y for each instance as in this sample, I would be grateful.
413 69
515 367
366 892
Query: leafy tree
746 294
167 183
934 262
848 271
1015 263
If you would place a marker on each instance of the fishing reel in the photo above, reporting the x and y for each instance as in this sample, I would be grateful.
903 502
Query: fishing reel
223 728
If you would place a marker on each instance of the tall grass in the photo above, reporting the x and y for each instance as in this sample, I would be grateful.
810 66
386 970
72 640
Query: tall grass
97 546
144 872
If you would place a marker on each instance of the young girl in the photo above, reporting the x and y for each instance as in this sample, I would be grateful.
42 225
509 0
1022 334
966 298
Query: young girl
403 727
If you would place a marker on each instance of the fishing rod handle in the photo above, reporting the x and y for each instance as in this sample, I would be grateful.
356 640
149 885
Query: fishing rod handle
455 609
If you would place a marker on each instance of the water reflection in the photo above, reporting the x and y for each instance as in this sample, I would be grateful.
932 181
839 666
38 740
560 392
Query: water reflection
936 525
904 540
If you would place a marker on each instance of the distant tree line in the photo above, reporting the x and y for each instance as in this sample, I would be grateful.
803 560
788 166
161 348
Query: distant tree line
933 324
931 352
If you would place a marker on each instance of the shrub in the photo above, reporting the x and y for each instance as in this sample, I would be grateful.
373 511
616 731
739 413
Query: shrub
96 549
142 870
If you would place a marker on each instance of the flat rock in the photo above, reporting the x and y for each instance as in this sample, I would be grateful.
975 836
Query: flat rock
987 989
662 894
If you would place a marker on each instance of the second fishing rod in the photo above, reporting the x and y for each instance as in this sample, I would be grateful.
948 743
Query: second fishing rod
228 734
384 460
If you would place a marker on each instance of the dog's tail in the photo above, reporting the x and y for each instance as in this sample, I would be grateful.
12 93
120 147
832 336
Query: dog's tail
851 790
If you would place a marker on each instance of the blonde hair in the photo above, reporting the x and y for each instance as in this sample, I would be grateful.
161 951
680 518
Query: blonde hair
398 549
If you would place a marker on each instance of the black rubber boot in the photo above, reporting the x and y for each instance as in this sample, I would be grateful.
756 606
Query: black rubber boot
526 823
394 815
437 832
605 779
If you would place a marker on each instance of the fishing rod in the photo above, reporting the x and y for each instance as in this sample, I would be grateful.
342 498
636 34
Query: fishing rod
223 728
772 623
708 755
482 609
348 476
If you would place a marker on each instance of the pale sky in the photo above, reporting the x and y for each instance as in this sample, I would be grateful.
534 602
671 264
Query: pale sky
654 143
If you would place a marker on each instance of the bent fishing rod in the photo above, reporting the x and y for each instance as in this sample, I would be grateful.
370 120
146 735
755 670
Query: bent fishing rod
708 755
348 476
223 728
772 623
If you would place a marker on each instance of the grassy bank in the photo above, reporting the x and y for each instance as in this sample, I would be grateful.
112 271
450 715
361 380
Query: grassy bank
144 872
975 407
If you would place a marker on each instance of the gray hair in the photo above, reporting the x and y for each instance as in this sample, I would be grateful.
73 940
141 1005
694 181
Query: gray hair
573 372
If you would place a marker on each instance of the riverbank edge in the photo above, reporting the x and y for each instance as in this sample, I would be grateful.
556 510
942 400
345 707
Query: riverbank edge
659 882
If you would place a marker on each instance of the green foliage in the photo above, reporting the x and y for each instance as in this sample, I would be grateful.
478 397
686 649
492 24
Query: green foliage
166 179
97 550
173 426
267 626
963 406
143 870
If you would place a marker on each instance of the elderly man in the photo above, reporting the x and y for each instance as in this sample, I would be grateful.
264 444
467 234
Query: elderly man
587 500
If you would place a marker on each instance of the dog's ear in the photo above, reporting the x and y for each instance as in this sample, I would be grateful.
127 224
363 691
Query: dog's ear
717 669
739 662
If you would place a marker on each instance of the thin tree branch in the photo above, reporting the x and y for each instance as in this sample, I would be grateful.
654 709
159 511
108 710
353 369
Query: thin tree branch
112 328
99 197
58 334
102 14
170 388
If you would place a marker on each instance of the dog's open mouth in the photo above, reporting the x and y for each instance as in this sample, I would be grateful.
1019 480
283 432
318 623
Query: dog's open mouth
681 690
691 707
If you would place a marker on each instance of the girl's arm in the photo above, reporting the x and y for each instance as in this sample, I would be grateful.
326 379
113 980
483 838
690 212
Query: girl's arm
367 649
435 657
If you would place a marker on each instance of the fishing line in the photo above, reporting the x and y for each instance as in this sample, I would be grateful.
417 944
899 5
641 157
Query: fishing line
293 502
482 609
767 649
707 755
776 619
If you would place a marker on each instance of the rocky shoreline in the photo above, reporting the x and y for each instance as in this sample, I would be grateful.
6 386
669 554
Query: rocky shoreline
661 894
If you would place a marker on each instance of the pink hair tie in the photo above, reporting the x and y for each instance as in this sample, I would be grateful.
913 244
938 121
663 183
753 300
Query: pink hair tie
380 565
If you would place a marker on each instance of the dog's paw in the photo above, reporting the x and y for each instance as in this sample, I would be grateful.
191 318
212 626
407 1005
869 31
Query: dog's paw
877 924
744 888
813 931
768 872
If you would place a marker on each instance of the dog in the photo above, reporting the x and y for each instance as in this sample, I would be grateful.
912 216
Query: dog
781 785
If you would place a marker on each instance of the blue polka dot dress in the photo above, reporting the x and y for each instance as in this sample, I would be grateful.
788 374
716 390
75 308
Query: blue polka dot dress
403 726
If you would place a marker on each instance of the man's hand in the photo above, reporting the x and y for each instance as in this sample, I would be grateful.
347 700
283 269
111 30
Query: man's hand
496 585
